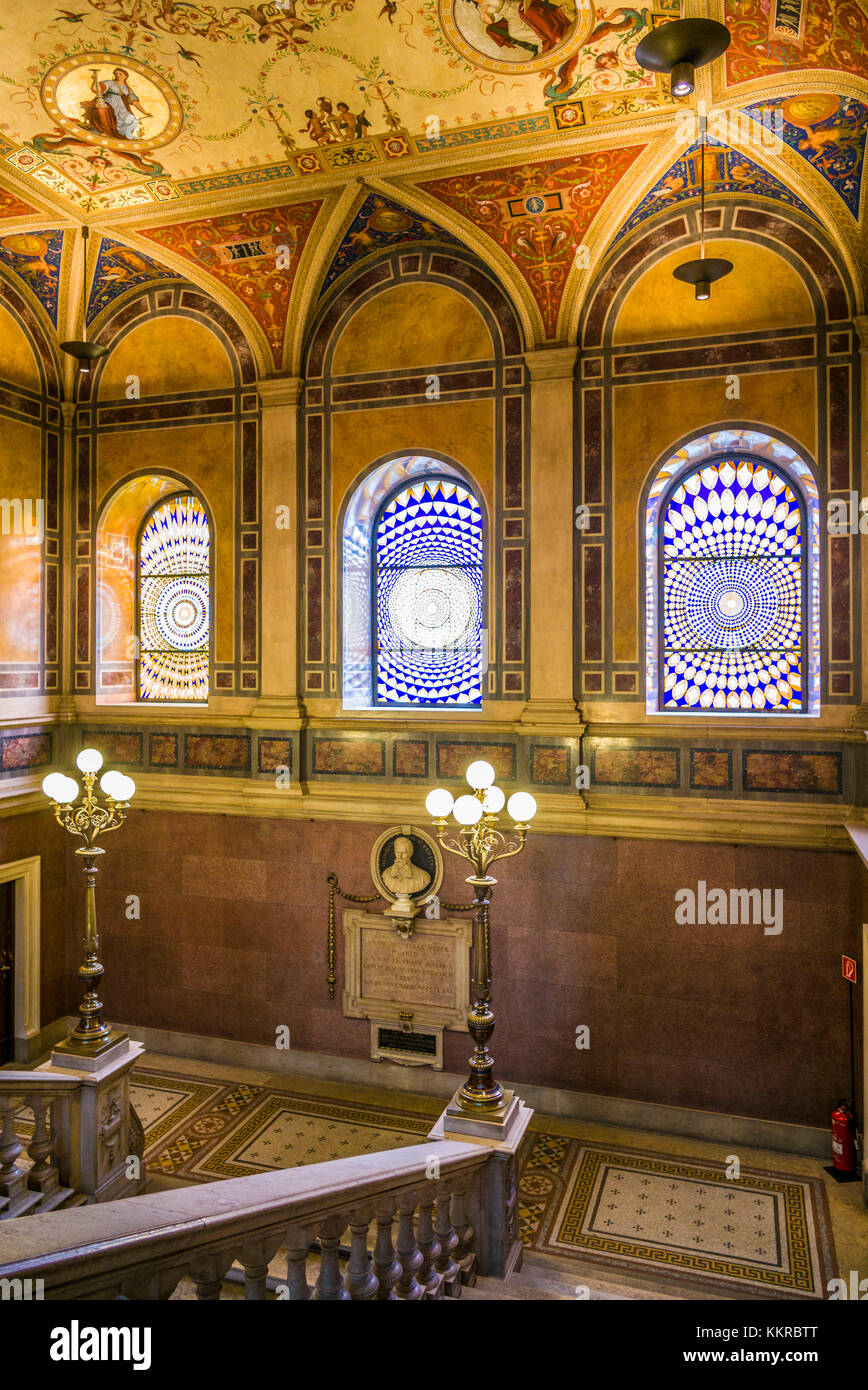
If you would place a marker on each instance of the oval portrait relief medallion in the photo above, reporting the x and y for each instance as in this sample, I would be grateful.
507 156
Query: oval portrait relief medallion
112 100
517 36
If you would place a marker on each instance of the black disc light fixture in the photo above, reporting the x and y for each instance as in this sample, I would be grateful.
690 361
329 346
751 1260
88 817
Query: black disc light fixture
84 352
680 48
702 272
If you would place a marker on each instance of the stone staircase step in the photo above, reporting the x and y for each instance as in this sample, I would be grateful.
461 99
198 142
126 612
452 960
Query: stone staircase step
22 1207
61 1197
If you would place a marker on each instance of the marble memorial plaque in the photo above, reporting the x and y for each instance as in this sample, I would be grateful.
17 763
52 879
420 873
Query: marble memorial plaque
426 974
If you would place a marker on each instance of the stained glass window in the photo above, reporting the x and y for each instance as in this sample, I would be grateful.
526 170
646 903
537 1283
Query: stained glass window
175 601
733 580
428 596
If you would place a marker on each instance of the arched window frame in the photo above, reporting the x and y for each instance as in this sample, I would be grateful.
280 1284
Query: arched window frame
357 532
779 457
155 507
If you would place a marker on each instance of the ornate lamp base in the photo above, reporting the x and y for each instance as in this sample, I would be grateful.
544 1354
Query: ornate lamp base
495 1123
81 1055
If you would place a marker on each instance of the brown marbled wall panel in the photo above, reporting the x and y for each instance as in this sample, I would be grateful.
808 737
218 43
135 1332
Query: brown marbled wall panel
232 937
636 767
274 753
24 751
217 751
550 765
793 772
353 756
711 768
410 758
115 746
164 750
453 759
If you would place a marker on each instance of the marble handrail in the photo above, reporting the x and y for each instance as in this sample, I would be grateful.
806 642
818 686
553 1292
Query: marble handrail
19 1083
142 1247
24 1191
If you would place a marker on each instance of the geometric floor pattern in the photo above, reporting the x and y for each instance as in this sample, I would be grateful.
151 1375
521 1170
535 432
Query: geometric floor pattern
203 1131
764 1234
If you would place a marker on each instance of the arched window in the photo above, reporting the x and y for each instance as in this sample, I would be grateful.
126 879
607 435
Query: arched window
428 596
733 582
175 600
413 593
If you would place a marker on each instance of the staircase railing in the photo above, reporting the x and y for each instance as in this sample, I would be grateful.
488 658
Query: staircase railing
450 1214
41 1186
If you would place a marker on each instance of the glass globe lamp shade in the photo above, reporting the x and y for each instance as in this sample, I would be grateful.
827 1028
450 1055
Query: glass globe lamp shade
493 801
522 807
89 760
438 803
467 810
126 787
110 783
57 788
479 775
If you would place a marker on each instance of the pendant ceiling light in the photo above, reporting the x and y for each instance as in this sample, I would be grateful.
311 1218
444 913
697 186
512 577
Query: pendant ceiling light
681 47
83 351
702 272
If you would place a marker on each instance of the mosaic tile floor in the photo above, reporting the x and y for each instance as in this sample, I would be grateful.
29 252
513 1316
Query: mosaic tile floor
764 1233
199 1131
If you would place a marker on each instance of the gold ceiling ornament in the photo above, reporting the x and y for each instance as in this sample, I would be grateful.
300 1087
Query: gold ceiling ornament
481 842
88 820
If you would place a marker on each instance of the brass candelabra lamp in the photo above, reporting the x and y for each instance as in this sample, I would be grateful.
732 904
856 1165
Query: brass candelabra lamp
91 818
481 842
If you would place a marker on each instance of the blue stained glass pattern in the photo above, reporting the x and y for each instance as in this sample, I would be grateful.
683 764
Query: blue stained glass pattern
732 578
175 601
428 551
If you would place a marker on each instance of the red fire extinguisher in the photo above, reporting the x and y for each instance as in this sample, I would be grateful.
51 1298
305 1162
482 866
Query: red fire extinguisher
843 1138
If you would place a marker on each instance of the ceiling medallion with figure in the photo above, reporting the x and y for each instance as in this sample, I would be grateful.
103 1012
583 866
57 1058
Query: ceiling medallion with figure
516 36
111 101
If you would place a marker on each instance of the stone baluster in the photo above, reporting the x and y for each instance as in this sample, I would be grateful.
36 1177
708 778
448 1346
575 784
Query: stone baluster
13 1182
429 1276
445 1264
43 1175
297 1243
386 1266
463 1254
207 1273
255 1266
360 1279
409 1254
330 1285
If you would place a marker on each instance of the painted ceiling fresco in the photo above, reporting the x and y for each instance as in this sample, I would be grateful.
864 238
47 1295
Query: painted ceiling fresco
124 103
255 255
538 214
217 142
726 171
35 258
381 223
119 268
829 132
782 36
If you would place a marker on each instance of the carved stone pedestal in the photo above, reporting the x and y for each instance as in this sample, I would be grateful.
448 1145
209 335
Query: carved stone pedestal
93 1128
495 1205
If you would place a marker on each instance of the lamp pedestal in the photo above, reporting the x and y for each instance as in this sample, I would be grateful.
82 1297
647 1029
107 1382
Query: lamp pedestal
496 1124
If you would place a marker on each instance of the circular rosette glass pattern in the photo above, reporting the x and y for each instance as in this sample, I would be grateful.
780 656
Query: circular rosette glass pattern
733 591
428 580
175 601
